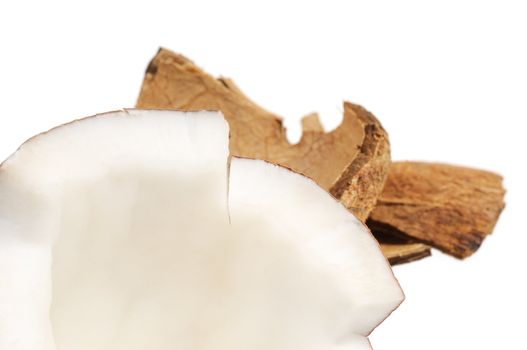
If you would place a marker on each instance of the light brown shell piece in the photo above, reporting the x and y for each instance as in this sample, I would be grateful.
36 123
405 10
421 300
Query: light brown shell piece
449 207
351 162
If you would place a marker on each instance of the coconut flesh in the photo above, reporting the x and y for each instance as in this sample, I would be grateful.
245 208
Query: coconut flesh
132 230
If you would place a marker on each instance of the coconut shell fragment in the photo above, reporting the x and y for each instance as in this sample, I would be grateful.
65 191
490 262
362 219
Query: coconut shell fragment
449 207
400 253
351 162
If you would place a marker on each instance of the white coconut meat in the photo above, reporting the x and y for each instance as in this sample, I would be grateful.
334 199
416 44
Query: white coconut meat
129 231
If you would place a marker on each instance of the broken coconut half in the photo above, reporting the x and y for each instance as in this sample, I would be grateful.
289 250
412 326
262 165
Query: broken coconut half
129 230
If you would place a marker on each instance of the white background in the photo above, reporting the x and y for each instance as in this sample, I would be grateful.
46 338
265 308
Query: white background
448 80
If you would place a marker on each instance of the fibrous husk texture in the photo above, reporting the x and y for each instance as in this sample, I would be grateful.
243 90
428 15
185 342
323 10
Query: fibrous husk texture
450 207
